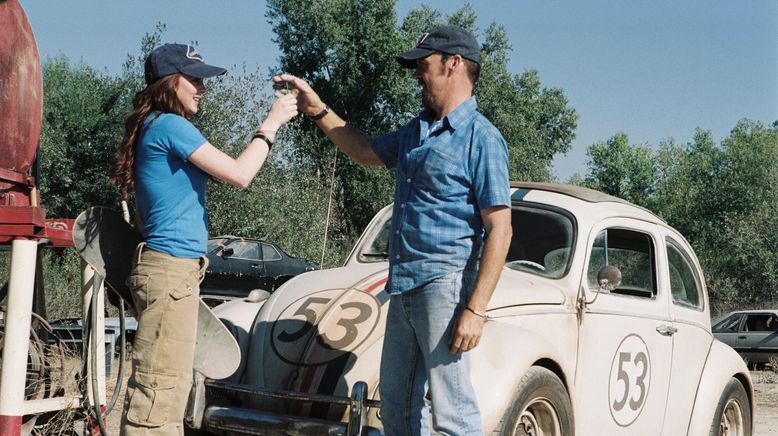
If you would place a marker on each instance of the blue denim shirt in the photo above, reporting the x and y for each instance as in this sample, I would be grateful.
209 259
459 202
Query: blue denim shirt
447 171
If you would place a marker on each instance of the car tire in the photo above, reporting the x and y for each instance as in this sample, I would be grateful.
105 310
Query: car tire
541 406
733 413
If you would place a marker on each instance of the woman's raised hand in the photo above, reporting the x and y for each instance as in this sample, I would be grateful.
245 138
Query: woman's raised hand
281 111
308 102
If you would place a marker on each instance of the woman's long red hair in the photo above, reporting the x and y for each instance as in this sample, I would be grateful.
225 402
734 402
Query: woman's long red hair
158 97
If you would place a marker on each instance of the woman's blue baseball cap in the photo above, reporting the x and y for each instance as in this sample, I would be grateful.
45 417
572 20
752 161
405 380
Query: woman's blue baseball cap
170 59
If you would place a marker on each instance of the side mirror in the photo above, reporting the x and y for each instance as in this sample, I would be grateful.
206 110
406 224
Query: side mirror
227 252
609 278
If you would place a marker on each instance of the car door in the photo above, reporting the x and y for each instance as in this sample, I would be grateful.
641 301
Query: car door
273 261
247 270
758 338
727 330
690 332
623 368
217 276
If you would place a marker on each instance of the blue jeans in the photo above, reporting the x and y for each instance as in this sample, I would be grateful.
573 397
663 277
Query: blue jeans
416 356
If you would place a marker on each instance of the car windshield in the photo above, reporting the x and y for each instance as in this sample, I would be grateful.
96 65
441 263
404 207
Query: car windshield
542 242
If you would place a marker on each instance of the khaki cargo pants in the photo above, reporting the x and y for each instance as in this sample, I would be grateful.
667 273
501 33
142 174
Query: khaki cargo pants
166 292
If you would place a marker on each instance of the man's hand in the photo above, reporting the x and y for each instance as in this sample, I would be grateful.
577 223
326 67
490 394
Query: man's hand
467 332
308 102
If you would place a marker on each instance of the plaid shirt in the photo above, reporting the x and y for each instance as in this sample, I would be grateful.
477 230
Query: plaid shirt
447 171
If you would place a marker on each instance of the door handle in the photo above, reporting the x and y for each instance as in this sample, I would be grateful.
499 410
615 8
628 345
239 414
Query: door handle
255 265
666 330
741 337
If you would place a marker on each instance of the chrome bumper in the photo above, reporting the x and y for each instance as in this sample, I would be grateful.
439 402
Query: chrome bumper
226 420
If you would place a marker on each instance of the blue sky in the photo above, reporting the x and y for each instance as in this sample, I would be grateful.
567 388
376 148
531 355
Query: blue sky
652 69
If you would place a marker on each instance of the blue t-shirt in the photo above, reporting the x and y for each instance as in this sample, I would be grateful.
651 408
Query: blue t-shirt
170 190
447 172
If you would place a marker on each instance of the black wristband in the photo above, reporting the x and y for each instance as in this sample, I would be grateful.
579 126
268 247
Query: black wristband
321 114
264 138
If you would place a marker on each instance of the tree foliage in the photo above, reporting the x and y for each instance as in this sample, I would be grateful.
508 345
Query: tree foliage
621 169
81 126
345 49
722 197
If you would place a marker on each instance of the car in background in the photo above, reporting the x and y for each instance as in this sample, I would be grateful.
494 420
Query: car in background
236 266
599 325
752 333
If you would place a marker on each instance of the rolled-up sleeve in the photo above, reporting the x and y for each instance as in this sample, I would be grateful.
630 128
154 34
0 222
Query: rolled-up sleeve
490 171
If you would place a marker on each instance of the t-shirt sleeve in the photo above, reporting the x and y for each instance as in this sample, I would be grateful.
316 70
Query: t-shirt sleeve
182 136
490 171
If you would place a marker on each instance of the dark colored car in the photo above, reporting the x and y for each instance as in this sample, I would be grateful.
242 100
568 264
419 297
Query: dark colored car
752 333
237 266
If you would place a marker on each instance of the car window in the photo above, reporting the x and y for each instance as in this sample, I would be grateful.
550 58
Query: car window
542 241
245 250
632 253
684 283
760 322
379 250
270 253
215 244
729 324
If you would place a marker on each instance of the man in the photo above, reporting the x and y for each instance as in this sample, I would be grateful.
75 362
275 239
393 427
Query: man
452 185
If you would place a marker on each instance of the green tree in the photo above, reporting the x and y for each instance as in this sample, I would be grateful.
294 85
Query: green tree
620 169
82 118
346 48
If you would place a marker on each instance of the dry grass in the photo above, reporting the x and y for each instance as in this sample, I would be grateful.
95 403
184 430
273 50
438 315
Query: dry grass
65 379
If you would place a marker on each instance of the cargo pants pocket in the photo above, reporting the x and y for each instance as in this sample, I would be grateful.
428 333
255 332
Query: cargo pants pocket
151 399
183 289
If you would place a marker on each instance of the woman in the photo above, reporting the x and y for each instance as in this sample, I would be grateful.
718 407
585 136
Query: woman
168 162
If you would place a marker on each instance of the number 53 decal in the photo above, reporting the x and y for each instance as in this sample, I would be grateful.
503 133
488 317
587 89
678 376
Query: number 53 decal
323 326
630 378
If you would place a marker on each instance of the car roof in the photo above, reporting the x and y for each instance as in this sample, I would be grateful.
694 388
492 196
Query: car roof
239 237
578 192
583 194
773 311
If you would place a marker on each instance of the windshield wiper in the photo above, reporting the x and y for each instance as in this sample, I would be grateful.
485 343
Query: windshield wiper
372 254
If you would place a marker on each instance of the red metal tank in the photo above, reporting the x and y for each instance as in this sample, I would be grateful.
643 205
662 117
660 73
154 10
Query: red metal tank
21 111
21 89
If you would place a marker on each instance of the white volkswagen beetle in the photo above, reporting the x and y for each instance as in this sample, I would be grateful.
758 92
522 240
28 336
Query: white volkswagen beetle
599 326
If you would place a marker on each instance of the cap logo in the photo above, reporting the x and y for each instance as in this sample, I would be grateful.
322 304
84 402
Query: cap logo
192 53
421 39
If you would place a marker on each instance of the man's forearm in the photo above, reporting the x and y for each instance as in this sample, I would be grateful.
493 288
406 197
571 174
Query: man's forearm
350 140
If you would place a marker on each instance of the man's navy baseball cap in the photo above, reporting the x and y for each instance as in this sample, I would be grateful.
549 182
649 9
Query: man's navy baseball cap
446 39
170 59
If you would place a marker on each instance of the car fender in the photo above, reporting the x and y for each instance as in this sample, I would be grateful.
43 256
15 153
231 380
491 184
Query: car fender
722 364
505 353
239 315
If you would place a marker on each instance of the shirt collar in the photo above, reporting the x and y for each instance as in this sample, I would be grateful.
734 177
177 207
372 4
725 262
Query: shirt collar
460 115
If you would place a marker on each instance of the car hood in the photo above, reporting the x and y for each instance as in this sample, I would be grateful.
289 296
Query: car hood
309 333
522 289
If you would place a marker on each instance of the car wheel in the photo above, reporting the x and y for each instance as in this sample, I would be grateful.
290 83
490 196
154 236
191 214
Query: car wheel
541 407
280 280
733 413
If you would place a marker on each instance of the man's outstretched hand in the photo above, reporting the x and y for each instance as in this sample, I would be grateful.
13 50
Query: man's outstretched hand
308 102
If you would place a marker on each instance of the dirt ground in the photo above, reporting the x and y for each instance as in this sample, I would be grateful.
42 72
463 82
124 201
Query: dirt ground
766 392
